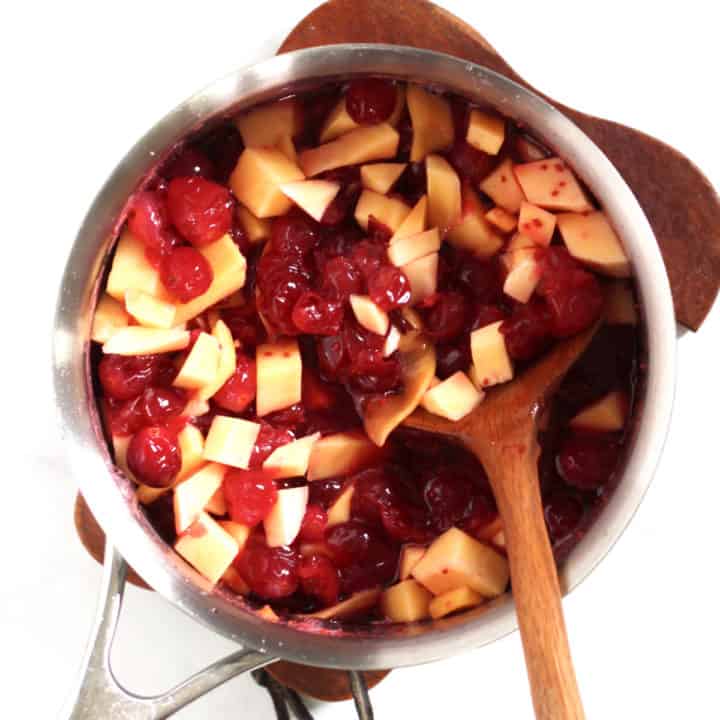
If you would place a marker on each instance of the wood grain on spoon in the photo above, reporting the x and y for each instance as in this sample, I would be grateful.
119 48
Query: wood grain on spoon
680 202
502 433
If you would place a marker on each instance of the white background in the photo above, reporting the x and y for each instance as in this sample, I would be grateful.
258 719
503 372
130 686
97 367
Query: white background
81 82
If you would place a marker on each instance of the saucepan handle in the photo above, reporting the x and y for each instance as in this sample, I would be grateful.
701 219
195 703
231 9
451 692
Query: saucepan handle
100 695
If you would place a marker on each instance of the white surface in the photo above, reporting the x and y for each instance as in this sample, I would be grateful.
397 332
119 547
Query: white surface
81 82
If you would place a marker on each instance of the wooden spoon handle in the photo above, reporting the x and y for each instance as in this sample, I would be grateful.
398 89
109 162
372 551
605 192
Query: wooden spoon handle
535 585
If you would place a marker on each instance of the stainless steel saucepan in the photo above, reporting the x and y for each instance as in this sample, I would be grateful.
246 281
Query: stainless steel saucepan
111 496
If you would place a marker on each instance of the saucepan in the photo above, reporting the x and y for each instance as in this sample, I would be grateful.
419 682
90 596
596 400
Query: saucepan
110 495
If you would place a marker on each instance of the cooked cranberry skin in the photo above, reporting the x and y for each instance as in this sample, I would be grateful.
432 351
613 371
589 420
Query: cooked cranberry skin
157 404
448 495
406 523
470 163
313 524
481 279
319 578
148 221
153 457
447 316
588 460
188 162
314 315
528 330
324 492
368 256
186 273
370 100
389 288
250 495
280 281
482 513
294 234
200 209
563 513
341 279
239 389
483 315
269 438
349 542
453 358
271 573
123 378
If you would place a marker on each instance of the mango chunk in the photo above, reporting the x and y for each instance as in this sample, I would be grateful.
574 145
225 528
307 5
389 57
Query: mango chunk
267 125
388 211
257 230
380 177
201 365
414 223
340 511
490 356
148 311
407 249
110 315
283 523
504 221
230 441
444 197
453 398
432 122
536 223
422 274
207 547
552 185
410 556
131 270
355 604
606 415
193 494
503 188
473 231
313 196
407 601
369 315
137 340
485 132
292 459
279 376
461 598
341 454
227 361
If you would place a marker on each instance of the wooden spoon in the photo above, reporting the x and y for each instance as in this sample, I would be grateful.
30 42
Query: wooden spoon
502 433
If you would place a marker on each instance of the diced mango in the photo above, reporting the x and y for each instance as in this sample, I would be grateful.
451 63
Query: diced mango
232 578
292 459
552 185
406 601
192 494
473 232
226 362
207 547
237 530
432 122
452 398
422 275
524 275
267 125
279 376
503 188
217 505
340 511
137 340
256 230
380 177
148 311
606 415
201 365
354 605
490 356
444 197
461 598
131 270
486 132
369 315
341 454
407 249
503 220
388 211
282 525
410 556
230 441
313 196
414 223
536 223
110 315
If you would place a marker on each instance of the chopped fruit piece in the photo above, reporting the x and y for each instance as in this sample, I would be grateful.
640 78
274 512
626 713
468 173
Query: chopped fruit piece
591 239
250 495
216 505
422 275
207 547
257 179
196 406
389 211
453 398
287 148
201 365
110 316
193 494
283 523
232 578
407 601
503 188
620 305
365 144
341 454
432 122
536 223
380 177
236 530
339 121
267 125
383 415
120 446
200 210
354 605
191 444
414 223
153 457
240 388
406 249
148 310
409 558
228 267
551 184
267 613
490 356
518 242
444 199
341 510
455 560
499 539
136 340
451 601
230 441
473 232
279 376
503 220
606 415
313 196
226 362
486 132
292 459
131 270
392 341
524 275
369 315
256 230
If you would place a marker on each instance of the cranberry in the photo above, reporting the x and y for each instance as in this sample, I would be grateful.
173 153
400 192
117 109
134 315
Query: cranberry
315 315
123 378
222 146
406 523
367 257
349 542
470 163
332 356
148 221
453 358
239 389
412 184
250 495
481 279
588 460
482 514
446 318
325 492
189 161
281 283
313 524
153 457
271 573
378 567
389 288
317 394
157 405
269 438
563 513
374 488
319 579
448 496
161 515
378 232
344 202
373 373
341 279
294 234
486 315
186 273
244 324
201 210
527 330
370 100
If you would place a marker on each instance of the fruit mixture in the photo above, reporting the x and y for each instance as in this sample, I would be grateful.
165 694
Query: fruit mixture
292 283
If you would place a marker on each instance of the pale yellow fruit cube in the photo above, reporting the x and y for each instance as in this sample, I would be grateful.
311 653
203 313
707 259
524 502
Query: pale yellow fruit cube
279 376
149 311
410 556
422 275
110 316
524 276
292 459
267 125
389 211
340 511
453 398
282 524
380 177
193 494
503 188
256 230
444 197
485 132
490 356
354 605
207 547
217 505
369 315
313 196
232 578
550 184
137 340
201 365
407 601
414 223
131 270
230 441
237 530
461 598
341 453
473 232
407 249
503 220
536 223
227 361
606 415
432 122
